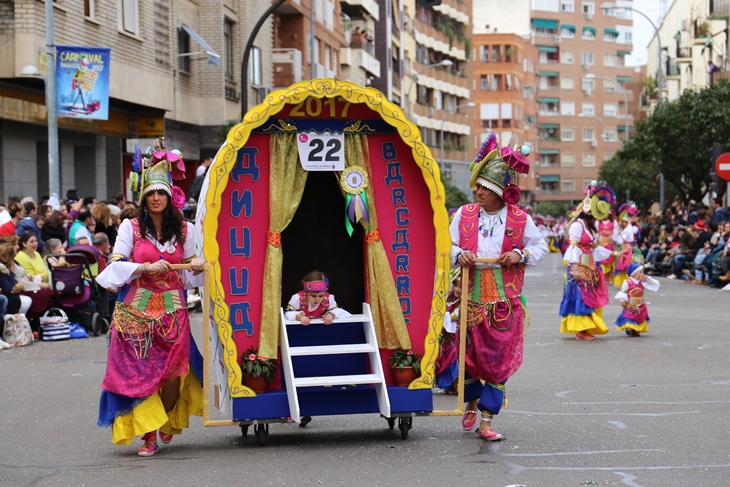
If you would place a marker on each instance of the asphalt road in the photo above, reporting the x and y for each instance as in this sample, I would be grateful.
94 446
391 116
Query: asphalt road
618 411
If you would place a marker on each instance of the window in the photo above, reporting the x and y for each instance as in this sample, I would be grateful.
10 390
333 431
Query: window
567 134
589 159
496 82
567 159
89 9
567 108
609 109
496 53
586 58
484 54
609 37
255 66
484 80
437 100
589 8
421 54
588 134
609 86
609 59
568 33
567 185
128 19
588 34
587 85
566 83
566 6
183 51
567 57
628 37
228 49
508 82
611 135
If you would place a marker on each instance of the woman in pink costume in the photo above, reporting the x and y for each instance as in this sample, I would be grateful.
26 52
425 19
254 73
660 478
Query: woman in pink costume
585 292
149 383
607 235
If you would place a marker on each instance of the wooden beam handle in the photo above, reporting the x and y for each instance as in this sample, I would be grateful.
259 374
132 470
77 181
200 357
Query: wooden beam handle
184 267
486 260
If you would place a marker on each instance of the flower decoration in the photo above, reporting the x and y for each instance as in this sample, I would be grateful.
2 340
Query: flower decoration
516 160
174 159
255 365
405 358
178 198
511 194
137 161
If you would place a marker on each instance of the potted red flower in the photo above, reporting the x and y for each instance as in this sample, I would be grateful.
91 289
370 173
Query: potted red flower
406 366
257 371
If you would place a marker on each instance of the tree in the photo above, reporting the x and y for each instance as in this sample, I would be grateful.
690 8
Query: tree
680 135
455 198
221 131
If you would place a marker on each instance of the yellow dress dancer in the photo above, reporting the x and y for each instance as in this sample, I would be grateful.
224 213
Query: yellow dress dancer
634 319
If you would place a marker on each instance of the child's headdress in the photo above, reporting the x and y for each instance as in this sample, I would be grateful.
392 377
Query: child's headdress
627 211
316 286
634 268
156 170
598 201
497 169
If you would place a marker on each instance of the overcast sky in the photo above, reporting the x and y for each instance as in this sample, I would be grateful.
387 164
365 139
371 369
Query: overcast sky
643 31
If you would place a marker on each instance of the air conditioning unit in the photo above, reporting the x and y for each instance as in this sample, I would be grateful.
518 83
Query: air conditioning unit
557 39
589 16
594 143
586 66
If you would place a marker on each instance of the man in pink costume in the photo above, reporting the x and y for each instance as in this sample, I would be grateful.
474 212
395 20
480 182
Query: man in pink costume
494 227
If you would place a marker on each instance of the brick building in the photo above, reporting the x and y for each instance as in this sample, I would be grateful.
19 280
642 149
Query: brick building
161 82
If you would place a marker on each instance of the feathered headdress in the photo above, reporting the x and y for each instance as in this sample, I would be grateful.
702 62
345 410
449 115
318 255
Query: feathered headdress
497 169
627 211
156 170
598 201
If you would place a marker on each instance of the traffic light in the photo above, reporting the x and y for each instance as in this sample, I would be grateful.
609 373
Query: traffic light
429 3
717 185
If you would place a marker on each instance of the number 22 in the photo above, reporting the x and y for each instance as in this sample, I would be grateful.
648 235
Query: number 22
318 144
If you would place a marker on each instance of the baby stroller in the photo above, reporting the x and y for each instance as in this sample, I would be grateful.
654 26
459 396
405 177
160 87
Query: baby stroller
75 289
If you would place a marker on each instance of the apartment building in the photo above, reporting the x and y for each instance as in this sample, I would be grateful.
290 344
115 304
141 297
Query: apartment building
582 80
174 71
506 96
691 34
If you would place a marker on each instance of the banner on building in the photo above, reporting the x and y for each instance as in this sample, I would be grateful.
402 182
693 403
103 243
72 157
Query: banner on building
82 82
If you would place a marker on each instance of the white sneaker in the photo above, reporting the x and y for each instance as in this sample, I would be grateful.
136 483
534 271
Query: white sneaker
726 288
5 345
671 276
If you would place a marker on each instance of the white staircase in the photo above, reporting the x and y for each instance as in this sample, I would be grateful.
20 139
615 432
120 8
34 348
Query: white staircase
370 347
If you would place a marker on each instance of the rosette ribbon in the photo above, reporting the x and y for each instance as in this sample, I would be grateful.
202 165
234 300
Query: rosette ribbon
356 206
516 160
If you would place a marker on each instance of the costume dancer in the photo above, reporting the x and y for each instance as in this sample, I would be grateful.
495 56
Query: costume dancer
627 251
607 236
494 228
585 292
634 319
447 364
149 383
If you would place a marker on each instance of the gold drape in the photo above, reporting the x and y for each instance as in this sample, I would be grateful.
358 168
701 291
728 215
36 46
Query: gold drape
390 325
287 179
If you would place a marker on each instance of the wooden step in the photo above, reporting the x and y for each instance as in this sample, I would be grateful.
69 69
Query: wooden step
337 380
318 321
332 349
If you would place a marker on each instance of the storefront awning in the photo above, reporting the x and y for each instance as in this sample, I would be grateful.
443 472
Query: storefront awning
622 128
549 125
549 151
550 49
549 179
623 53
589 29
623 79
569 27
549 74
549 100
545 24
609 30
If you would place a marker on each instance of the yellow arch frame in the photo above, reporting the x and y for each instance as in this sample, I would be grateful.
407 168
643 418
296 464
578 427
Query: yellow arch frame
226 159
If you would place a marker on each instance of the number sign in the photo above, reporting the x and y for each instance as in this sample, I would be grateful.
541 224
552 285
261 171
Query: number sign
321 152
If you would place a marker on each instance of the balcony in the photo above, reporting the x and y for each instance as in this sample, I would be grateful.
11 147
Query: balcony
719 9
351 56
287 66
447 81
370 6
671 68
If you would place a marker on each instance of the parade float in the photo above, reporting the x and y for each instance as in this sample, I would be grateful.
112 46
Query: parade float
323 175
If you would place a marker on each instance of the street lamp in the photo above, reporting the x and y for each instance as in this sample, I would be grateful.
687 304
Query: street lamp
626 100
443 120
660 81
444 64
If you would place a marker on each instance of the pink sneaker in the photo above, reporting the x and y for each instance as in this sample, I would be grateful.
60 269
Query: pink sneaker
584 336
150 445
469 420
166 439
489 434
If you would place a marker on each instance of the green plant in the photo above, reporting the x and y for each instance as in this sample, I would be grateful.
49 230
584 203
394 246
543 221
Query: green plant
254 365
703 29
221 131
405 358
650 85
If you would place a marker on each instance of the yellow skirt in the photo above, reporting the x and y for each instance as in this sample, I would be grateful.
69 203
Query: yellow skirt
150 415
552 247
619 278
641 327
608 270
592 324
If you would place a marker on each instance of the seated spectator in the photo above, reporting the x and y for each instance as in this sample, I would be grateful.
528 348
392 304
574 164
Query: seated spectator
106 299
17 213
678 255
89 202
102 214
114 227
31 261
128 212
17 303
81 229
45 211
54 247
719 212
29 224
54 227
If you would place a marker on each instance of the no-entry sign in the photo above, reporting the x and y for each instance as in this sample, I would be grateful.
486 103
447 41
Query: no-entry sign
722 166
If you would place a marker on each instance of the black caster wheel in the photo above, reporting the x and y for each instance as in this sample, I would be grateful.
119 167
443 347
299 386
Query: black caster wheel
96 324
244 429
404 425
104 326
262 431
391 422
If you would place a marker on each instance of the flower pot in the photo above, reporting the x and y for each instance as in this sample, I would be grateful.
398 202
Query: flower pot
404 377
258 384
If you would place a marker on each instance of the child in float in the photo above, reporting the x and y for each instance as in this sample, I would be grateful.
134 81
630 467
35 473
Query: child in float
313 301
447 364
634 319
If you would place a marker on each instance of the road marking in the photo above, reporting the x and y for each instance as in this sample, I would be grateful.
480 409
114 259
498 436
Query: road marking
562 394
644 402
571 453
628 479
618 424
705 383
540 413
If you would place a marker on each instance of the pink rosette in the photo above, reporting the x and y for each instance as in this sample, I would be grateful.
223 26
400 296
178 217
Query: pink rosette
516 160
511 194
177 166
252 357
178 198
